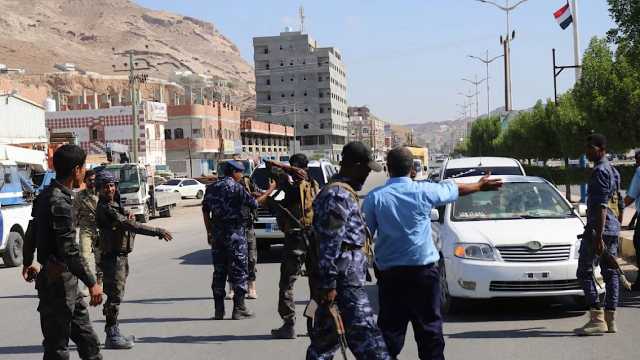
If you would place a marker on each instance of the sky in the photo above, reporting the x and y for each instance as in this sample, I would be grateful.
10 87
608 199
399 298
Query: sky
405 58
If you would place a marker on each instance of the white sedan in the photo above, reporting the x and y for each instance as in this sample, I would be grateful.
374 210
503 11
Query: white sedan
186 187
520 241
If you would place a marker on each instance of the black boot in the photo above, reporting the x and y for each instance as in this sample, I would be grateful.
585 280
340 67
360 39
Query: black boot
286 331
240 310
115 340
219 308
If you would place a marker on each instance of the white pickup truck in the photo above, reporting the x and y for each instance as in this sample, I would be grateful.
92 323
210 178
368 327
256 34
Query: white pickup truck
137 192
15 210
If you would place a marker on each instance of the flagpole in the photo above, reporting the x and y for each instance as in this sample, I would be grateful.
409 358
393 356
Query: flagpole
576 37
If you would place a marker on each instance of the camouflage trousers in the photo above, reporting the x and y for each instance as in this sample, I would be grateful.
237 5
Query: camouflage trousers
64 316
364 339
116 269
294 256
230 262
89 250
252 252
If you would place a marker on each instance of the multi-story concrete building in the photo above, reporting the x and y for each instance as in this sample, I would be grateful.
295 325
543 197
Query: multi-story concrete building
265 139
395 135
199 134
302 85
96 129
367 128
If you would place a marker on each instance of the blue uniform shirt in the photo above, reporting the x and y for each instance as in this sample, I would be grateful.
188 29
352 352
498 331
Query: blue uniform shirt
634 188
603 184
337 220
225 199
399 212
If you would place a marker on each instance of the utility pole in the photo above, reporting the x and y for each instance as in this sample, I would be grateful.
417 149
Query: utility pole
506 43
487 61
132 67
301 14
576 38
476 83
556 71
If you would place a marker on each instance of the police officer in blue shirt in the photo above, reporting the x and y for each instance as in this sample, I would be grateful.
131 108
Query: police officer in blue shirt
225 222
406 257
633 193
601 234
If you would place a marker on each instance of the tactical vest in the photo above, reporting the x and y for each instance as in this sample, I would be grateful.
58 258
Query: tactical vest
249 215
300 204
112 238
367 248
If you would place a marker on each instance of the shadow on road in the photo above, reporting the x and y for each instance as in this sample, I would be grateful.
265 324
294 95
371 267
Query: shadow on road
202 339
157 320
511 334
163 301
198 257
27 349
516 310
19 297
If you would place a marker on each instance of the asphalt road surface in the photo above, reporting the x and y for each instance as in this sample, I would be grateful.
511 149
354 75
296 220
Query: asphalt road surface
168 305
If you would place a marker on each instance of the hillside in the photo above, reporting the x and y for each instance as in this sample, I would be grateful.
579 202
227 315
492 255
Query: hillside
47 32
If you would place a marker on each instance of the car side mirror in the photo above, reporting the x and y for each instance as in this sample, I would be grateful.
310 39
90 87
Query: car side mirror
581 209
180 185
435 215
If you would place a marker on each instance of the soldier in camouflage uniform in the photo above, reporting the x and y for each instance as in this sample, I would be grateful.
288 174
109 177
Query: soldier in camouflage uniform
222 209
85 203
297 203
340 232
117 231
63 312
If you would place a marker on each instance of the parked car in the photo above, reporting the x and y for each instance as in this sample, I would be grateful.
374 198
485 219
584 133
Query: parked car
520 241
266 227
474 166
186 187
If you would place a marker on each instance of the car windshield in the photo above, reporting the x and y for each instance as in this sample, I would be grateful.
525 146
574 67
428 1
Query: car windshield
516 200
128 178
172 182
246 163
479 171
162 167
260 176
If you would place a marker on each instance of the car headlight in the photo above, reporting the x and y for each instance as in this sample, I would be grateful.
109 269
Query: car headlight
474 252
576 253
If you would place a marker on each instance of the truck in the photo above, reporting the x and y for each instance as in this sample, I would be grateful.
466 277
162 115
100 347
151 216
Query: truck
16 166
137 191
420 161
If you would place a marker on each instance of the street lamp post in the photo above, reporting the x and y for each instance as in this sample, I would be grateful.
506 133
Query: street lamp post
476 83
487 61
506 43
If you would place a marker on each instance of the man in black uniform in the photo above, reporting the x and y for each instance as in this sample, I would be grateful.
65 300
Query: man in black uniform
63 312
117 231
295 217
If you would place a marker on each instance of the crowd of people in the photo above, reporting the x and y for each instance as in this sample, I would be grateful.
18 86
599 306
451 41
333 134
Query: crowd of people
328 237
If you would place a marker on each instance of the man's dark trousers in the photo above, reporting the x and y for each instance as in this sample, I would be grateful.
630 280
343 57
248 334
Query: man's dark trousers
411 294
636 242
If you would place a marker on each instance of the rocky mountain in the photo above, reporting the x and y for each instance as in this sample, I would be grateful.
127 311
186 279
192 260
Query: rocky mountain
439 136
36 34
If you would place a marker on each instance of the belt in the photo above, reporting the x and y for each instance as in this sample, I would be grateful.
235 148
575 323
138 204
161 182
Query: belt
349 247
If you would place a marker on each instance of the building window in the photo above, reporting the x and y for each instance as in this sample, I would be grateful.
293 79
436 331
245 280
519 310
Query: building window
280 47
157 132
282 95
266 50
306 126
178 133
267 66
195 133
281 63
320 78
167 134
94 134
306 109
305 93
321 126
291 79
281 78
269 97
292 94
268 81
321 140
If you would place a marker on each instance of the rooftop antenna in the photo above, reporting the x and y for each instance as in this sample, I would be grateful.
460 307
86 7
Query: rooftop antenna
301 13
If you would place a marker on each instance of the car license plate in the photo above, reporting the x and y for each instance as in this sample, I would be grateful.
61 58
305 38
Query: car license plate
544 275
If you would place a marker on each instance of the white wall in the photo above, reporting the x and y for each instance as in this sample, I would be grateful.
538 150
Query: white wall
21 122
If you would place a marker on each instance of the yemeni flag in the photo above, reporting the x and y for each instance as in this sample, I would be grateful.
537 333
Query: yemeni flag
563 16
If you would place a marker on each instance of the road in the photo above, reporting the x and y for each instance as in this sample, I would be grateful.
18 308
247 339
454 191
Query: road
168 306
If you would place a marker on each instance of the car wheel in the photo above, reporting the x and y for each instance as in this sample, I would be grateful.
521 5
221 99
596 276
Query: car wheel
166 212
144 218
13 252
448 304
200 194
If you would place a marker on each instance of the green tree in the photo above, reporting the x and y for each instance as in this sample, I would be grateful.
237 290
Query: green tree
608 94
484 132
626 14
